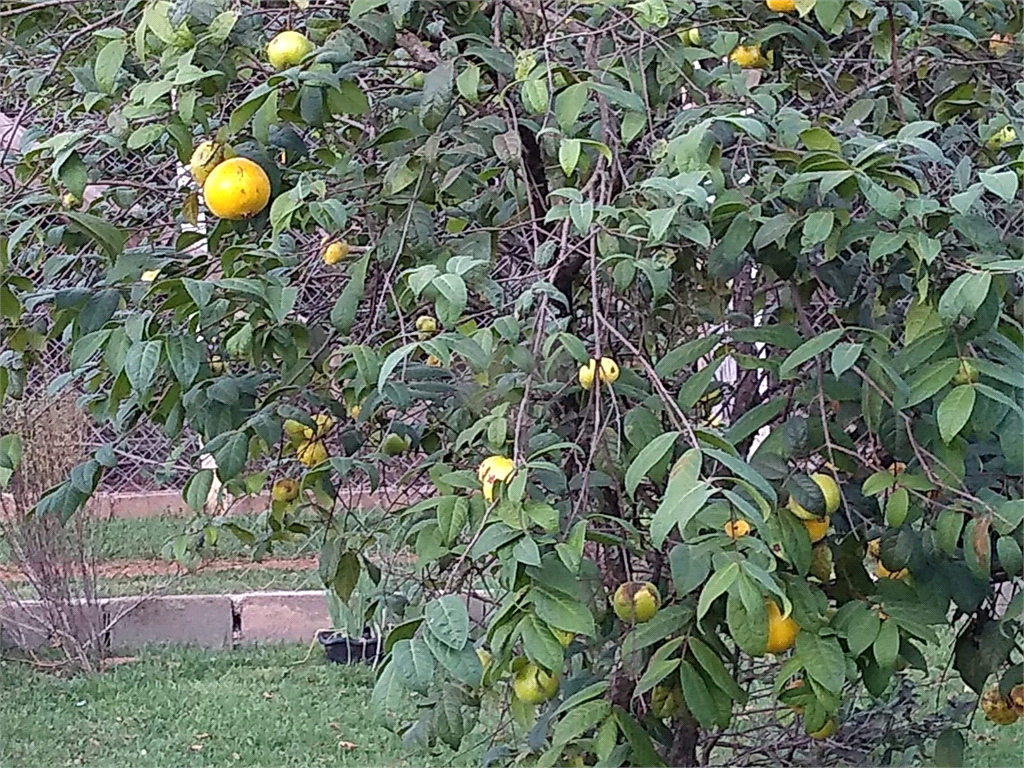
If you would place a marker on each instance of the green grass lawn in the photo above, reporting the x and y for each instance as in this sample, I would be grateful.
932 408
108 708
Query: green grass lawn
247 707
250 707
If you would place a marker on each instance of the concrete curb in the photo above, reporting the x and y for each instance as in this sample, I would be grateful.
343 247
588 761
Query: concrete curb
203 621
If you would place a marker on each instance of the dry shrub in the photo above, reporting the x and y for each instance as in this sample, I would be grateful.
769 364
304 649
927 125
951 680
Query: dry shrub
48 596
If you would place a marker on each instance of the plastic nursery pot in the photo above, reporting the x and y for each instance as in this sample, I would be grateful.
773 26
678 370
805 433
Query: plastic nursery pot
351 650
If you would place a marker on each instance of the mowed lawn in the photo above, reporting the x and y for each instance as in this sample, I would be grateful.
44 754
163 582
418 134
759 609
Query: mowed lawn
258 707
246 707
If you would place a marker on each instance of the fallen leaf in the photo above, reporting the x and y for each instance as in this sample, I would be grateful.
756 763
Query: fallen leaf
346 745
202 735
268 694
94 742
196 747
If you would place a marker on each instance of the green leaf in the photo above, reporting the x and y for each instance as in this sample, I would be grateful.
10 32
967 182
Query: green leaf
896 508
651 454
964 296
197 489
684 497
452 302
232 456
808 350
140 364
468 83
108 64
185 355
684 355
727 257
823 659
540 644
1010 515
568 105
562 611
719 583
817 228
955 411
844 356
463 664
642 751
100 307
862 633
949 749
715 669
448 620
388 693
579 720
660 666
107 236
437 95
391 362
452 514
695 693
930 379
415 664
886 647
1002 183
690 567
343 314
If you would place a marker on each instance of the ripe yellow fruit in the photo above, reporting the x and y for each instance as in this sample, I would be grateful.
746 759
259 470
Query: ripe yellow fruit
1016 699
734 529
609 371
781 6
494 469
816 529
565 637
533 685
587 374
884 573
334 253
747 56
426 325
828 729
996 709
287 49
236 189
666 702
311 453
782 632
285 490
207 156
829 489
874 548
636 601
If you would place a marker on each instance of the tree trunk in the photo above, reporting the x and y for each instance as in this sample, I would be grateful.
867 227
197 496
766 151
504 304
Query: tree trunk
683 753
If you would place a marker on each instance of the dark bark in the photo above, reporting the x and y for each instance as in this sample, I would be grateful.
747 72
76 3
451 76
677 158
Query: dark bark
683 752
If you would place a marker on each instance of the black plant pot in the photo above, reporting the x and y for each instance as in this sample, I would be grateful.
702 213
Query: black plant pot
351 650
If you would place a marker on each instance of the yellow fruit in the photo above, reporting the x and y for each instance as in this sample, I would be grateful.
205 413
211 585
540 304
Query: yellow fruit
1016 699
324 423
565 637
666 702
70 201
874 548
782 632
996 709
587 374
609 371
334 253
207 156
1000 45
816 529
236 189
494 470
781 6
217 366
533 685
284 490
999 139
150 275
965 374
311 453
287 49
829 490
426 325
736 528
636 601
354 411
828 729
747 56
884 573
297 430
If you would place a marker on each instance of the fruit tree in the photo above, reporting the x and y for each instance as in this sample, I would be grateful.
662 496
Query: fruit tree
694 326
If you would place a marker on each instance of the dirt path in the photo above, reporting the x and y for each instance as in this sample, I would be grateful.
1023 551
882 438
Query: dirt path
122 569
